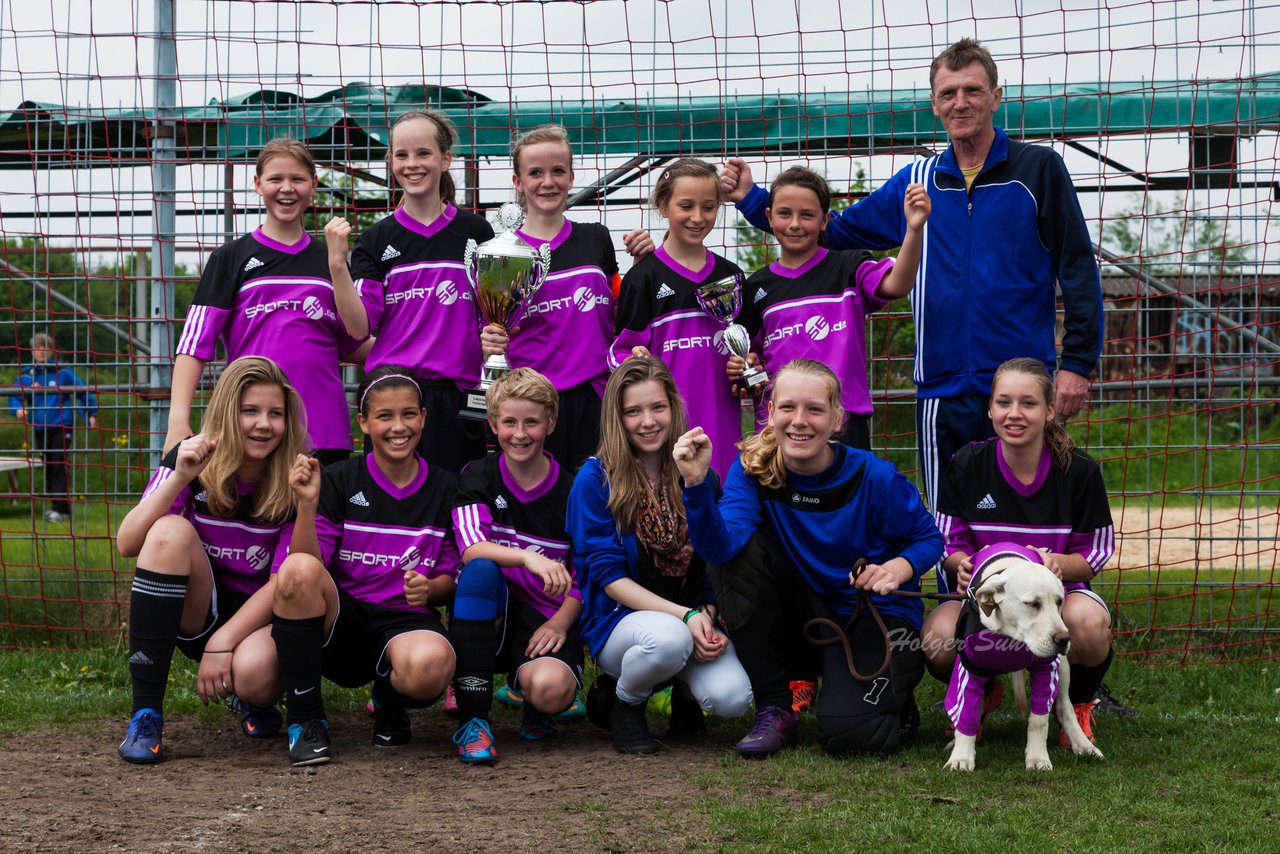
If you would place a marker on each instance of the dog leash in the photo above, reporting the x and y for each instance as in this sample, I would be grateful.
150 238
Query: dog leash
865 604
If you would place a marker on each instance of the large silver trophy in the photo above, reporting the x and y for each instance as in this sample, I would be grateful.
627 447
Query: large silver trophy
722 299
503 273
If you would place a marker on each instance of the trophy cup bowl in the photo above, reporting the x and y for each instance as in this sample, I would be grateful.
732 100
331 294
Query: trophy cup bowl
722 299
503 274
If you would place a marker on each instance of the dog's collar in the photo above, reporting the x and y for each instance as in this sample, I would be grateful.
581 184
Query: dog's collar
987 555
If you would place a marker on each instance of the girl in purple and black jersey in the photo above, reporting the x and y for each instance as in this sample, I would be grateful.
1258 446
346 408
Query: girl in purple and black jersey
565 329
812 303
209 534
269 294
409 274
1030 486
658 310
372 558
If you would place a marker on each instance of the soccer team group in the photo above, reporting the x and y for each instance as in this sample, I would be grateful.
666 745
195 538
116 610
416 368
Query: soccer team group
622 509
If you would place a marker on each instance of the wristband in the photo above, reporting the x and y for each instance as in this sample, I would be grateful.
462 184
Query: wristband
693 612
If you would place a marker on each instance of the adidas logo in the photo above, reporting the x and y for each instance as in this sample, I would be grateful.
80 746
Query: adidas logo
987 503
665 291
759 295
253 264
359 500
389 253
202 496
140 657
500 503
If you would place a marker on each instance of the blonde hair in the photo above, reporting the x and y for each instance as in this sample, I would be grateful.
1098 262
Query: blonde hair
1061 445
761 458
545 133
446 139
627 482
522 384
284 146
272 497
42 341
685 167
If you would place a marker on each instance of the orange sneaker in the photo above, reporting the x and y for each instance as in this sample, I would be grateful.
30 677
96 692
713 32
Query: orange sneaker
803 693
1084 714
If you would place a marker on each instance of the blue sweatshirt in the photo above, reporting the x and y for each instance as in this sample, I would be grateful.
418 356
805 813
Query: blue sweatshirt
55 393
861 506
990 259
604 553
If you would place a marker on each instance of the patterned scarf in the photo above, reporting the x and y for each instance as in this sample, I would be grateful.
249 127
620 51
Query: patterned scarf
662 528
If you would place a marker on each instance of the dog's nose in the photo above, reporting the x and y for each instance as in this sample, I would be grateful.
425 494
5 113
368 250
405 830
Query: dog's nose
1062 640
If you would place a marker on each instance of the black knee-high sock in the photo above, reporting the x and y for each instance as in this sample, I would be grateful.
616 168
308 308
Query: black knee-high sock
300 648
155 614
476 644
1086 679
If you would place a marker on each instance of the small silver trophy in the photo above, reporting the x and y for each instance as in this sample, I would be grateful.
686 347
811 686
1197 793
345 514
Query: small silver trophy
503 273
722 299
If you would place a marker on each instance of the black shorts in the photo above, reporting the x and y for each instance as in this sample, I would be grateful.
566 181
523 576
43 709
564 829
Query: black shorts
223 604
518 628
577 433
355 650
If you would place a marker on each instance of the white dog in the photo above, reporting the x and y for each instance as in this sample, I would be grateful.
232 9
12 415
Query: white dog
1012 621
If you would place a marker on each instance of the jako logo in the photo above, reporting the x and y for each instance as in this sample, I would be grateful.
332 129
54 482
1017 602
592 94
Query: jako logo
258 557
312 307
817 327
410 559
584 299
447 292
718 341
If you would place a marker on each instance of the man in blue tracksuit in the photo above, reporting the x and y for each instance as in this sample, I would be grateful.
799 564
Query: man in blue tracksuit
1006 227
48 403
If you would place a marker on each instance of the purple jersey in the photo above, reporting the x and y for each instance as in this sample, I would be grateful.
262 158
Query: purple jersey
658 309
491 507
983 654
243 552
574 304
263 298
421 310
982 503
817 311
371 531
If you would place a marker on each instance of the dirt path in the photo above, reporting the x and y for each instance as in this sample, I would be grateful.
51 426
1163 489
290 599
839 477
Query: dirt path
1189 536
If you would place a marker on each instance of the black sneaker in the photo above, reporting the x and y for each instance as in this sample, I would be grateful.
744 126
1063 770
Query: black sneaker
309 743
909 722
687 720
601 698
391 727
631 730
1110 705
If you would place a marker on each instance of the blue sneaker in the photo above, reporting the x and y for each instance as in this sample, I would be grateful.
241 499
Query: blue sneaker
309 743
141 744
475 743
255 721
535 725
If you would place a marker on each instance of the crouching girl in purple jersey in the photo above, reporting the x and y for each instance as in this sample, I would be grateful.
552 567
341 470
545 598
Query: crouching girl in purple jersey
1030 486
812 303
208 534
575 302
372 558
658 310
269 293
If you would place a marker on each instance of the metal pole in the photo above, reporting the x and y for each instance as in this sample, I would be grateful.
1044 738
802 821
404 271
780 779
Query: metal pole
163 187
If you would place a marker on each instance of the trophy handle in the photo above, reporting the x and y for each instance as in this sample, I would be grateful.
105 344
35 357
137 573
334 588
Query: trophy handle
468 260
544 262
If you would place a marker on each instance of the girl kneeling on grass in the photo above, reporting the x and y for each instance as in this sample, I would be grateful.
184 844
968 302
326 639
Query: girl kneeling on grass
798 512
650 615
372 557
209 534
1030 485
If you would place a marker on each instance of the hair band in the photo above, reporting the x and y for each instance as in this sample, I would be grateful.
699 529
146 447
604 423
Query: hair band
360 405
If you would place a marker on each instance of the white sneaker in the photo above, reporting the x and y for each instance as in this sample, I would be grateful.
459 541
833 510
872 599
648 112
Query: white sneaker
55 516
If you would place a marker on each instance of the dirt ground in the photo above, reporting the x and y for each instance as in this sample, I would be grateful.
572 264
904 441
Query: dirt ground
217 790
1190 536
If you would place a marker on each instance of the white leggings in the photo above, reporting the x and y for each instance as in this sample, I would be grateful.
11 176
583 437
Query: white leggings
649 647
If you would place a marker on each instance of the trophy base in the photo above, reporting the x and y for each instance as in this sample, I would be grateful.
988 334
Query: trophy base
753 380
473 405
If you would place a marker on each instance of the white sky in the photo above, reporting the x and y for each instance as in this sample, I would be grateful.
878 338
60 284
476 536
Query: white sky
100 53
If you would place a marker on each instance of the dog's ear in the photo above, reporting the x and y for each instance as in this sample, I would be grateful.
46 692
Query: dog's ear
990 594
